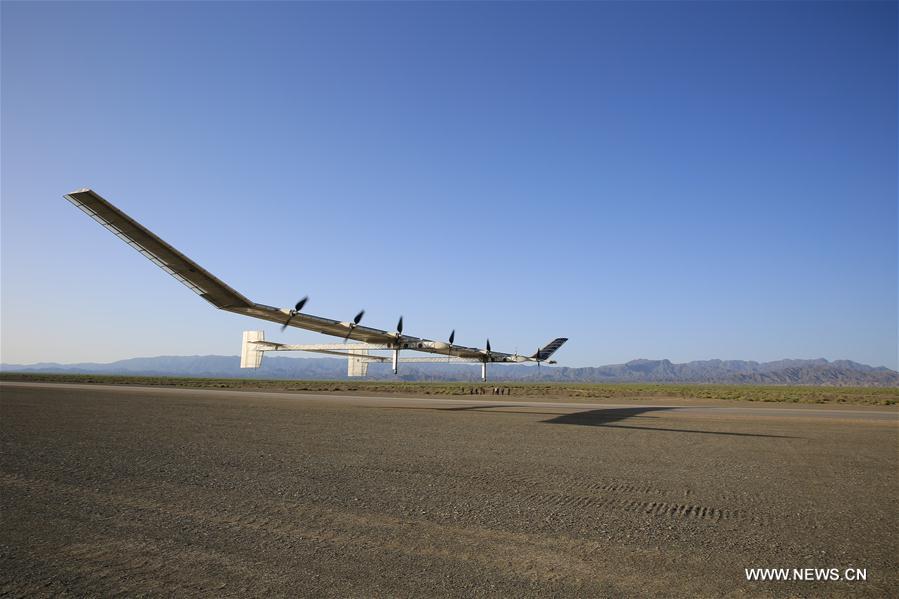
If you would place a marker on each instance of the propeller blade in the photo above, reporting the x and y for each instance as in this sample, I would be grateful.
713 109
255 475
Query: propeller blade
353 324
449 352
399 326
488 346
294 312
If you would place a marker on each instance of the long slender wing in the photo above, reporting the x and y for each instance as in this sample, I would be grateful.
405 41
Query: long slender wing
195 277
220 295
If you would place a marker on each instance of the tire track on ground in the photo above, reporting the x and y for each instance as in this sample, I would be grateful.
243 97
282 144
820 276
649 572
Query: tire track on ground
605 494
535 557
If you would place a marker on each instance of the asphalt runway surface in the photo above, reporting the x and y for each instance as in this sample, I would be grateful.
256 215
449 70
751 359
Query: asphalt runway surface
112 490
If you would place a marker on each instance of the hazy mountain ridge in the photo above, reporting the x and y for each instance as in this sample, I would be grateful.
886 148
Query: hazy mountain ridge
780 372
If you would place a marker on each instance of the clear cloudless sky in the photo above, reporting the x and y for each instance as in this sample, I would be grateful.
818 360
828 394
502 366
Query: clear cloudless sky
682 180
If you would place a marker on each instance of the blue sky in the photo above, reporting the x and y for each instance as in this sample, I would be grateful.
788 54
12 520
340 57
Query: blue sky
682 180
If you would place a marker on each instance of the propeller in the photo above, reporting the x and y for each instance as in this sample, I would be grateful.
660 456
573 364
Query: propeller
395 346
294 312
398 333
538 358
449 350
487 353
353 324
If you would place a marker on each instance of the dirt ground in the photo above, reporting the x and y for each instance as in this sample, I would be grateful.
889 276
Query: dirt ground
138 491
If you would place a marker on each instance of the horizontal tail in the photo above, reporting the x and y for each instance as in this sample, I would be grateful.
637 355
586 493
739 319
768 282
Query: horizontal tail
550 349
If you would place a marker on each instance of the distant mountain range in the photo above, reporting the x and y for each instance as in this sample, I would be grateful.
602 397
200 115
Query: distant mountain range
781 372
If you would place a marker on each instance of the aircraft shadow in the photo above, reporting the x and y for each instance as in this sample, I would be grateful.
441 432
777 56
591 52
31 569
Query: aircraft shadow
607 416
604 417
483 407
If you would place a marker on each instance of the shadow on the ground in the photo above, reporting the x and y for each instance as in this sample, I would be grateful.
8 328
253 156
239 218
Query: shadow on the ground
603 416
607 416
478 407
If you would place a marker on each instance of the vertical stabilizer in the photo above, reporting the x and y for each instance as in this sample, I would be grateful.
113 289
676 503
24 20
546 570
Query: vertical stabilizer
250 357
357 366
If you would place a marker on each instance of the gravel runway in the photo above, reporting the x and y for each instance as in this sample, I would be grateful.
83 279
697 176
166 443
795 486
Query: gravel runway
144 491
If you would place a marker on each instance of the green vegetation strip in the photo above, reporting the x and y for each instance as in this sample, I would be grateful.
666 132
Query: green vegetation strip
624 391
